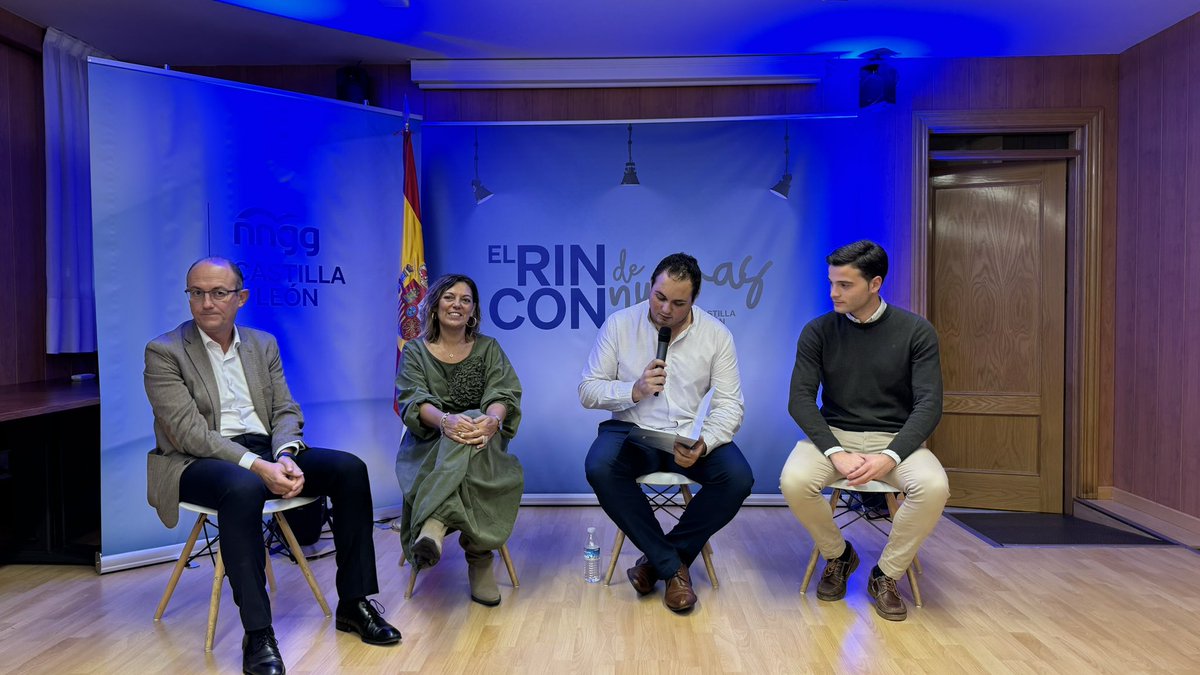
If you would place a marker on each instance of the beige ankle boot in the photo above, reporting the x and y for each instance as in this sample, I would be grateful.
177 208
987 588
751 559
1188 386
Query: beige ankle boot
427 550
483 582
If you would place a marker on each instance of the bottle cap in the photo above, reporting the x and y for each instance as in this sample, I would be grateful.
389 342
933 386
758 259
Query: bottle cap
591 530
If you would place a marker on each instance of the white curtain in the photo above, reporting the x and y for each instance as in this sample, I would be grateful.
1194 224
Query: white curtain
70 299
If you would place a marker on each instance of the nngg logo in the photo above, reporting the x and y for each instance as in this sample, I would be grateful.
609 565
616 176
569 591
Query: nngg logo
260 228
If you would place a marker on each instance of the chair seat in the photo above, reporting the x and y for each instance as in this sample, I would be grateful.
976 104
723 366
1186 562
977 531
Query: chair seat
870 486
665 478
269 507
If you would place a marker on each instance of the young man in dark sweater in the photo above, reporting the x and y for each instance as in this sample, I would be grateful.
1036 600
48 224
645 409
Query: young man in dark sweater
881 392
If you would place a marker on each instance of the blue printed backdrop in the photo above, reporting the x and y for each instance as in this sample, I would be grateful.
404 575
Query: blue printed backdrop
306 195
562 245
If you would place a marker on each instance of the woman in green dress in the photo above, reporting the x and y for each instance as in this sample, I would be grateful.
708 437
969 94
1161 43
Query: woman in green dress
460 400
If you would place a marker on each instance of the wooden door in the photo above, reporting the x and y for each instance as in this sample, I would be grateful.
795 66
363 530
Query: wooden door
998 300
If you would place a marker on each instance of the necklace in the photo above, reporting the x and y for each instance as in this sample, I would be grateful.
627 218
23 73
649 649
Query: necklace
445 349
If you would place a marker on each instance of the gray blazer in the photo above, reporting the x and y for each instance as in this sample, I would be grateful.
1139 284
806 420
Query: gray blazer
187 408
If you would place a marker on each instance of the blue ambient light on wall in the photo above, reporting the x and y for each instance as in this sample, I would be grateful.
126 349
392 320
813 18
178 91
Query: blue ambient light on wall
303 10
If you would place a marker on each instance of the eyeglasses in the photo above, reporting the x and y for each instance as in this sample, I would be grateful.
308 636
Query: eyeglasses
217 294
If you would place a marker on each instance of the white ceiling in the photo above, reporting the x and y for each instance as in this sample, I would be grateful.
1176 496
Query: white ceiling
208 32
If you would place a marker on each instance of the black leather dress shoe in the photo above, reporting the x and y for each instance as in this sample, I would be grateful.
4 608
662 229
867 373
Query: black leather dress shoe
260 654
362 617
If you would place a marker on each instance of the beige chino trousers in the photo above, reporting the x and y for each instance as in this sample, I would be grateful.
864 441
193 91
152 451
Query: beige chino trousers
920 476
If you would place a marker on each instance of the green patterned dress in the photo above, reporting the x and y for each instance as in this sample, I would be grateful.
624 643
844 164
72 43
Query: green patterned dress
475 491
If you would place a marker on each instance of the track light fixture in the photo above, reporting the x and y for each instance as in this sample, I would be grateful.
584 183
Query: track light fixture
482 194
784 185
630 177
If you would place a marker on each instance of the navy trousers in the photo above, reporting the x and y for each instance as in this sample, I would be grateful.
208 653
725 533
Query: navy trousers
613 465
238 496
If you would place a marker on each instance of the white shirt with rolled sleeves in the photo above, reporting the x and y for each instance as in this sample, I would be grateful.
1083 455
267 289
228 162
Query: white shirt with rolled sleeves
700 358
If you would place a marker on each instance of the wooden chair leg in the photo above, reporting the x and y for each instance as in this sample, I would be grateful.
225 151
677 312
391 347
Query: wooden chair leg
618 542
412 581
916 590
706 552
508 564
175 573
270 570
809 569
214 602
302 562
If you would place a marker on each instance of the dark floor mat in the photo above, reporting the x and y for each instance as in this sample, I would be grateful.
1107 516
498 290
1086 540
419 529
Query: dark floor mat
1048 529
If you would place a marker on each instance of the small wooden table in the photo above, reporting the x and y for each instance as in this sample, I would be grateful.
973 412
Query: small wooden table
50 472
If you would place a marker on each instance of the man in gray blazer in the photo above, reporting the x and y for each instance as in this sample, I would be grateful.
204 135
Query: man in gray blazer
229 437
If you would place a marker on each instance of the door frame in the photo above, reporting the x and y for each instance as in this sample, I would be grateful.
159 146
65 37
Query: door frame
1082 379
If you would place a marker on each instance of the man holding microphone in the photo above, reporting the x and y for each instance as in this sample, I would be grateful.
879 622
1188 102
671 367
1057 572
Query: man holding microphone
645 391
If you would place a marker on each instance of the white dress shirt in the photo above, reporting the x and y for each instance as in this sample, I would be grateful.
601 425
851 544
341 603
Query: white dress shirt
699 358
237 410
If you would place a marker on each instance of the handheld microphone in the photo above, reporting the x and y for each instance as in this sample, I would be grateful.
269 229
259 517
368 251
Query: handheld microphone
664 338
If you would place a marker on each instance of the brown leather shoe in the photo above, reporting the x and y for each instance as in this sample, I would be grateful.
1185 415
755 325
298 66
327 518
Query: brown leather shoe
888 602
642 576
837 571
679 596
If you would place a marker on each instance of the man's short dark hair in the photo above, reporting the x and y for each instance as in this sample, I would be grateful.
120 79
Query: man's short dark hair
220 262
865 256
680 267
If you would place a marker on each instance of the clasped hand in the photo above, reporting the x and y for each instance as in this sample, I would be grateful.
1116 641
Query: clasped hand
475 431
860 469
282 477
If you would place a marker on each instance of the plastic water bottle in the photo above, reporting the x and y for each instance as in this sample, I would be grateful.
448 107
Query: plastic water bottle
591 558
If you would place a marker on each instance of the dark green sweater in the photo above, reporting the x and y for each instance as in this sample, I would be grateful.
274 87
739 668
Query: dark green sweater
881 376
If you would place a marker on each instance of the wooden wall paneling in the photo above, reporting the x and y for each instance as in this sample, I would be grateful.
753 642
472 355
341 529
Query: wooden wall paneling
513 104
1125 334
1190 465
694 101
729 101
27 126
950 87
1101 76
1062 79
989 83
8 225
770 100
582 104
1026 82
547 104
392 84
442 105
616 103
659 102
1171 345
20 34
479 105
1146 313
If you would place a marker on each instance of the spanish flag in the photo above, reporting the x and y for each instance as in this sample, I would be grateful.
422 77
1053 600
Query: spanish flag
414 280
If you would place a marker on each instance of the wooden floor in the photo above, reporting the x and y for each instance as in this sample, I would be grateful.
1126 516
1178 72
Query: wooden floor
990 610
